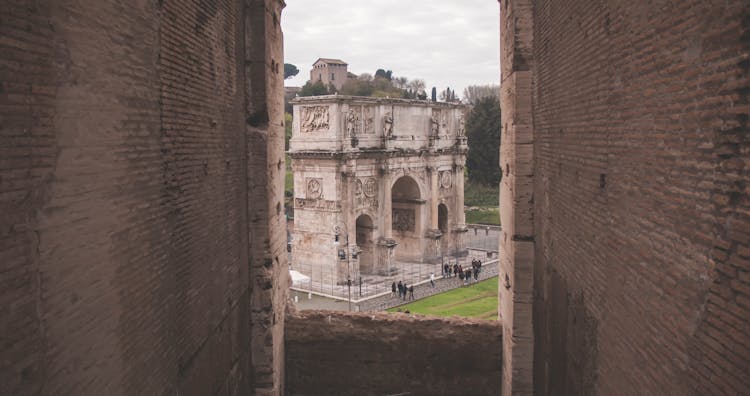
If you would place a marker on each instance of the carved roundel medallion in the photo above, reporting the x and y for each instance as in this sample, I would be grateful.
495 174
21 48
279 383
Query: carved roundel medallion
314 189
445 179
370 187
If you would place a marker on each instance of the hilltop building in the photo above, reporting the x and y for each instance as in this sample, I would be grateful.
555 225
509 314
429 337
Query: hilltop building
329 71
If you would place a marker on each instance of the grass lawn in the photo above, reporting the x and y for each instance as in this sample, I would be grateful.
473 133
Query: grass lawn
489 216
477 301
476 194
481 201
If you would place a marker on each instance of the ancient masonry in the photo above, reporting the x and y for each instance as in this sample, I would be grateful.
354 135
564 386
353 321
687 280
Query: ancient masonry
375 180
142 236
625 197
141 250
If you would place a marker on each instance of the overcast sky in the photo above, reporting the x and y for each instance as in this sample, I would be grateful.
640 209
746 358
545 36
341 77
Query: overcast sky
451 43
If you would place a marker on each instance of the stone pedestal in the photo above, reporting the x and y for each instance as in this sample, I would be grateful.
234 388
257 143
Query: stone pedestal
459 249
433 248
385 264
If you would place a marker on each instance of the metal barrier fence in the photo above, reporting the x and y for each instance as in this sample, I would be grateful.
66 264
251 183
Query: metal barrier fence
482 242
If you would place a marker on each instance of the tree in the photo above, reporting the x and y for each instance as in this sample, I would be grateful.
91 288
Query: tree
434 94
483 133
316 89
473 93
366 77
448 95
287 130
290 70
400 82
384 74
358 87
416 86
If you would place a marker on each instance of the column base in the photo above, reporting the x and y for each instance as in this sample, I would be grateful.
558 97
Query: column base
385 264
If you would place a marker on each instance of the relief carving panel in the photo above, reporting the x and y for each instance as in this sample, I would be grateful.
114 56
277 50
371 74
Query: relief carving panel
370 187
368 117
314 119
314 188
446 179
366 191
300 203
403 219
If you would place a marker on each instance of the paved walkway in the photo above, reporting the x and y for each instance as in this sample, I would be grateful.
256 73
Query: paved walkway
374 292
423 290
386 299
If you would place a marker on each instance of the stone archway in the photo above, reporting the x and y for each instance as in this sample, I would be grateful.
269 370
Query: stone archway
406 225
365 227
443 218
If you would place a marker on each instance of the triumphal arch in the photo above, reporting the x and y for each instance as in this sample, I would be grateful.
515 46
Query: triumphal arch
376 181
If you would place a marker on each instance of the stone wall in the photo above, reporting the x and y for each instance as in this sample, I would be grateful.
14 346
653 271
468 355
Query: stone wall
375 354
137 182
641 228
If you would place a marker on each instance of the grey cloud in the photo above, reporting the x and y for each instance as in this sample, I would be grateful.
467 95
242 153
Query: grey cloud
445 42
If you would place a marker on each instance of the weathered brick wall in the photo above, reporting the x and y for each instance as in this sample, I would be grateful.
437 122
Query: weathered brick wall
264 110
641 197
335 353
517 236
128 263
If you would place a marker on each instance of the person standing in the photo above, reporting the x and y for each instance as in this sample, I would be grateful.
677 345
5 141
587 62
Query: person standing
393 288
400 289
411 292
432 279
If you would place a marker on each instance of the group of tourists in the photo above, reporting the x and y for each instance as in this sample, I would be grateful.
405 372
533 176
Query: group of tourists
464 275
403 290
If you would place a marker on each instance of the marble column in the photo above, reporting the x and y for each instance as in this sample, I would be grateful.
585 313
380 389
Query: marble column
460 215
434 189
387 208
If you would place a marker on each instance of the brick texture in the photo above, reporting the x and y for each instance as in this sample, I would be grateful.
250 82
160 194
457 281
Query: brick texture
334 353
517 238
127 263
641 197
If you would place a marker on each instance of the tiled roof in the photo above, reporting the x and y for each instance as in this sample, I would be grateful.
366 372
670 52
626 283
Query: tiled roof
330 61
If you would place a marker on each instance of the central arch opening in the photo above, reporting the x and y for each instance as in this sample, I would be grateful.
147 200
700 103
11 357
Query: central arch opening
407 218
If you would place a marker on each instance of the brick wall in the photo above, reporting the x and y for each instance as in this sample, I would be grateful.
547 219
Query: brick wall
128 264
266 222
517 236
641 227
376 354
